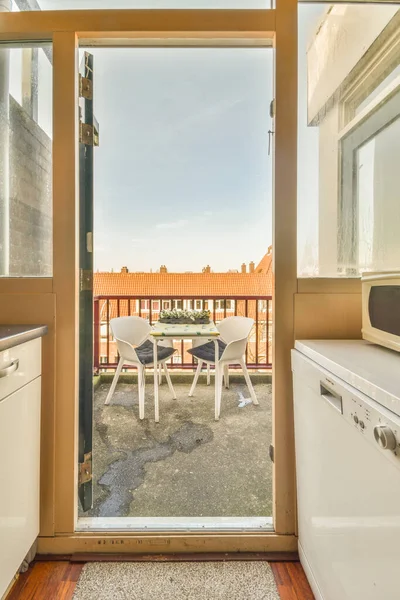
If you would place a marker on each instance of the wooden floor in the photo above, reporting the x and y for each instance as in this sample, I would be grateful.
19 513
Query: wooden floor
57 580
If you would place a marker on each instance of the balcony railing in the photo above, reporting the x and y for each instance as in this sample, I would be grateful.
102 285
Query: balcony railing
259 308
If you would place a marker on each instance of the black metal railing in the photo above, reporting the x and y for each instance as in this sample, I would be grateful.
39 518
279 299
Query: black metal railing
259 308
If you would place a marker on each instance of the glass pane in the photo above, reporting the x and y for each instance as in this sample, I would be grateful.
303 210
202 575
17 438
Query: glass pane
182 199
378 202
348 63
114 4
383 308
26 161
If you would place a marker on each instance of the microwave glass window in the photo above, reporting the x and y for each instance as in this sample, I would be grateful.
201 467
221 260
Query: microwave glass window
384 308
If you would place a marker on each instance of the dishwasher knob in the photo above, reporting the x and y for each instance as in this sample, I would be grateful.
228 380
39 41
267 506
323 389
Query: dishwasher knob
385 437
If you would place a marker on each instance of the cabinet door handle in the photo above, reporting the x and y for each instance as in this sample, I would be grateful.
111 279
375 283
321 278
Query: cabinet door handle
10 369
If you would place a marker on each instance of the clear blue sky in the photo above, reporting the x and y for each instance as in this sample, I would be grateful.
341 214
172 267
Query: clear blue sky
182 174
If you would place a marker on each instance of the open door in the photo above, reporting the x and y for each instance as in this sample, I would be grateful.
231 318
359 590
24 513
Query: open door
88 138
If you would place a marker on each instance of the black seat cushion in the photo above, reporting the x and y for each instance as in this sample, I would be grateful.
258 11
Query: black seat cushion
145 352
207 351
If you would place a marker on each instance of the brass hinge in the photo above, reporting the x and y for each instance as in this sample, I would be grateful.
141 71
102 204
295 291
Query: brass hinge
85 88
85 469
88 135
86 280
272 453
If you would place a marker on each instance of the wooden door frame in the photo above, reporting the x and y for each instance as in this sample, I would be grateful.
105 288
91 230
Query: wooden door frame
236 28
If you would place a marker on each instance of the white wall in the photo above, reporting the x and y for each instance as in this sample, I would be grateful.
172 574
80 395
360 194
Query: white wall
341 41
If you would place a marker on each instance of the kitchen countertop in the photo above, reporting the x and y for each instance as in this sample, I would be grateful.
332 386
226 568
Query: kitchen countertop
13 335
371 369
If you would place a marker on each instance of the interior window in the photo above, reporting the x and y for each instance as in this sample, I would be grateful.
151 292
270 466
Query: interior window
26 212
370 207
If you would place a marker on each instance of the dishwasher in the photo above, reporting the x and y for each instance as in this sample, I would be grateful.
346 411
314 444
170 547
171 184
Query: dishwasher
347 434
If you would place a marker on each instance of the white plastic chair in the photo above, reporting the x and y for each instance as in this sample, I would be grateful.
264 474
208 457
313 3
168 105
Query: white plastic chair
234 333
135 348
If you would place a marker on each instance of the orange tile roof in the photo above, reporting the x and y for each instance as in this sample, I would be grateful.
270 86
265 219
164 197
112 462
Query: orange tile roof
204 285
265 264
198 285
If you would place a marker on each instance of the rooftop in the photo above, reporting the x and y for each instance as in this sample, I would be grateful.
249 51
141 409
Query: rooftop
256 282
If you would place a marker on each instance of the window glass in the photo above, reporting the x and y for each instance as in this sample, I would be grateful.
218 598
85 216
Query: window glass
371 182
347 144
26 161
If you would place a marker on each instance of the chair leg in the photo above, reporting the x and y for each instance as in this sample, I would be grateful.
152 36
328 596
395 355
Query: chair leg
142 384
208 374
168 378
160 374
248 382
218 390
198 370
114 381
226 376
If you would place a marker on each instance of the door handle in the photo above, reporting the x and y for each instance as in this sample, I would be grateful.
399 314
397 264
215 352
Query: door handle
10 369
332 397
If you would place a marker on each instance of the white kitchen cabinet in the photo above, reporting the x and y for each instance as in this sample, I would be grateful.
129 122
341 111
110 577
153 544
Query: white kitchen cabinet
20 403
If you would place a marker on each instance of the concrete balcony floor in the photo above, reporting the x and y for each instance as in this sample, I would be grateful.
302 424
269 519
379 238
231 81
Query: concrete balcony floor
188 465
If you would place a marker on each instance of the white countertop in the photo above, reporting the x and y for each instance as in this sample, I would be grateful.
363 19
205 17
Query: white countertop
372 369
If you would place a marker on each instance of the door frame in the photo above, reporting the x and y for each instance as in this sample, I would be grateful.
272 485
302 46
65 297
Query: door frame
236 28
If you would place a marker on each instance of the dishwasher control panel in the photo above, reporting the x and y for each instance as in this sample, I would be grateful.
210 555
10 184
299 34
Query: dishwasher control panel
376 423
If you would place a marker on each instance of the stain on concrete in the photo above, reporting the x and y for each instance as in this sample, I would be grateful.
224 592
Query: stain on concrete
188 464
127 473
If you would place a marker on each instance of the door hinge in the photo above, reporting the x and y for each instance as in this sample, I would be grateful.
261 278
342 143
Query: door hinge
85 88
272 453
85 280
272 109
85 469
88 135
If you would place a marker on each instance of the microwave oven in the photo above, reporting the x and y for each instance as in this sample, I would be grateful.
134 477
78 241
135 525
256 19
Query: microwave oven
381 308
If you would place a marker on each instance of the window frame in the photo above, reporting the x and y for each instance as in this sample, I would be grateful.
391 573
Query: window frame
275 28
144 305
377 116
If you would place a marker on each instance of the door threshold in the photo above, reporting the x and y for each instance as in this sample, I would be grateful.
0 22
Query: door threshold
180 524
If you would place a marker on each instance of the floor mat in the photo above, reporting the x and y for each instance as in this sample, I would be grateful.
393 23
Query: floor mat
177 581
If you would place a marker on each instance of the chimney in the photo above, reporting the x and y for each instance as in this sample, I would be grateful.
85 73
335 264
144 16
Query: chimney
207 269
251 267
124 270
163 269
243 269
